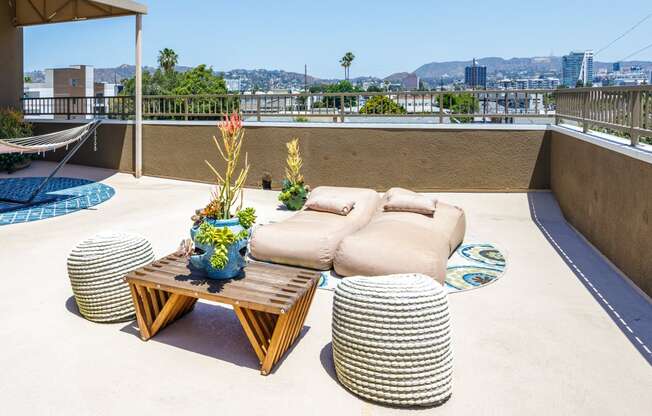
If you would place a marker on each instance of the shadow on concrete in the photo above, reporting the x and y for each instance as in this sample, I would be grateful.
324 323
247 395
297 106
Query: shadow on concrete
630 310
71 306
214 331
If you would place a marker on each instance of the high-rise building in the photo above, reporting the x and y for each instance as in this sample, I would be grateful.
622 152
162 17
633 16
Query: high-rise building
475 75
616 67
577 67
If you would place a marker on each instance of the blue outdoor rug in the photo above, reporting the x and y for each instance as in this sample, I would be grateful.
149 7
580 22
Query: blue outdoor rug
471 266
61 196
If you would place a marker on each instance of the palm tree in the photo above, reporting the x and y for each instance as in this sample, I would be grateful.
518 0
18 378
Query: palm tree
345 62
167 59
349 59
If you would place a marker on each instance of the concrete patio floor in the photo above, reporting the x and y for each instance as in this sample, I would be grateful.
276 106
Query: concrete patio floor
536 342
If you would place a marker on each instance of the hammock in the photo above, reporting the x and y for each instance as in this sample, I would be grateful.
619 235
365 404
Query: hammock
44 143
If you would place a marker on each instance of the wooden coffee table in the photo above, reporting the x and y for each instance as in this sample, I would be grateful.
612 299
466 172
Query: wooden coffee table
271 301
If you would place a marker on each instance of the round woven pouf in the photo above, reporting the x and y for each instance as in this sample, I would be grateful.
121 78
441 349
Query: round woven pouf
391 339
96 268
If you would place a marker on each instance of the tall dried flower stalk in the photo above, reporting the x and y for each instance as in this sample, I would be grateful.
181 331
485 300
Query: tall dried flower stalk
294 163
230 187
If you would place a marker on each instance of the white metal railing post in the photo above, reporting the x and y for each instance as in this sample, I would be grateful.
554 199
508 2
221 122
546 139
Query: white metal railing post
635 108
441 108
585 121
138 162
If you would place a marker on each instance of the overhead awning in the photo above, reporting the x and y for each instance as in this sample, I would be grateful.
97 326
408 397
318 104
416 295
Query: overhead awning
38 12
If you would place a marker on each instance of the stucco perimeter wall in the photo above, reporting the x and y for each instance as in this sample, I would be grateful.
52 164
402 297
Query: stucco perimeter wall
379 158
11 59
607 196
114 146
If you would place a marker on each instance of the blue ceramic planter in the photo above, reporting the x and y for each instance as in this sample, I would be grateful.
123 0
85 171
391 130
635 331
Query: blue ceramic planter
236 251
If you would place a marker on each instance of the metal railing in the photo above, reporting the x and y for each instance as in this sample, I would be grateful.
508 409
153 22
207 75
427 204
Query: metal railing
72 107
624 111
458 106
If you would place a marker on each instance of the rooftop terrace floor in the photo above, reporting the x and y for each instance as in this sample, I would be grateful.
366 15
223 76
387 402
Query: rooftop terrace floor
538 341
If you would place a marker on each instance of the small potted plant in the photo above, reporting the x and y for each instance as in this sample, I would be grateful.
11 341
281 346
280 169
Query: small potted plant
294 192
221 230
267 181
13 125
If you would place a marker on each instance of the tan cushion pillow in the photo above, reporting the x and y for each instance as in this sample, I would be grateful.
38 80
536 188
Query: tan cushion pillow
335 205
418 204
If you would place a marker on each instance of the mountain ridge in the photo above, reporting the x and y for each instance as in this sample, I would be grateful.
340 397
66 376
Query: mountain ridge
278 78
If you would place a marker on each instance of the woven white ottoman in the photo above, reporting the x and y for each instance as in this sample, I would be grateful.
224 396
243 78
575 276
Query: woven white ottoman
391 339
96 268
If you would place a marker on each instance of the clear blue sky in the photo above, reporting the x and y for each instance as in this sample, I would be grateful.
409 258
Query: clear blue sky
385 36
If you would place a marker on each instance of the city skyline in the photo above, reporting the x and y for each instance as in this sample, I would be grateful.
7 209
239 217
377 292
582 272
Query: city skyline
229 36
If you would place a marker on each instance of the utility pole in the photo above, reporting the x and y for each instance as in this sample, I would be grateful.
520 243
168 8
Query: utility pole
305 78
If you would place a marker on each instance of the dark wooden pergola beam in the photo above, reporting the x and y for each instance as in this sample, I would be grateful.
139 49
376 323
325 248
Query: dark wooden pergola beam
54 13
43 19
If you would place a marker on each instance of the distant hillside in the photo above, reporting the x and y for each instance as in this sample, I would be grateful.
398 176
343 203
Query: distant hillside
524 66
124 71
279 79
397 77
493 64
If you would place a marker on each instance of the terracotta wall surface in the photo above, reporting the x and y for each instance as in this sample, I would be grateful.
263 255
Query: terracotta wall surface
607 196
377 158
421 159
11 59
114 146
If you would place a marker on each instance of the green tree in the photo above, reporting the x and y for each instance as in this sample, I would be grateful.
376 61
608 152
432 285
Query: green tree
381 104
156 83
341 87
374 88
200 80
167 59
461 103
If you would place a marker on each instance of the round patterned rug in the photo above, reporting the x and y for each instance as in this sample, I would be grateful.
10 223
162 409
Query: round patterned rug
470 267
61 196
473 266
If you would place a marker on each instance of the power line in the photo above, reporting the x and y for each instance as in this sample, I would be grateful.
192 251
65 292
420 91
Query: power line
637 52
624 34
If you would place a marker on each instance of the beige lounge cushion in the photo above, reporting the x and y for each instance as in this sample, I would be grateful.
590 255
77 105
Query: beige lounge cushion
329 203
418 204
309 238
403 242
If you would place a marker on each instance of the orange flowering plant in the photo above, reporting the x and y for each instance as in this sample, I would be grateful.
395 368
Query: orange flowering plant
230 183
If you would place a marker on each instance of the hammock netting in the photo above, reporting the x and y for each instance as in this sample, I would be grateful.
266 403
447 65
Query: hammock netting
45 142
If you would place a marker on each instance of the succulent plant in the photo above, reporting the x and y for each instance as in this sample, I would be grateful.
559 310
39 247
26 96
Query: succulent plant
294 192
247 217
